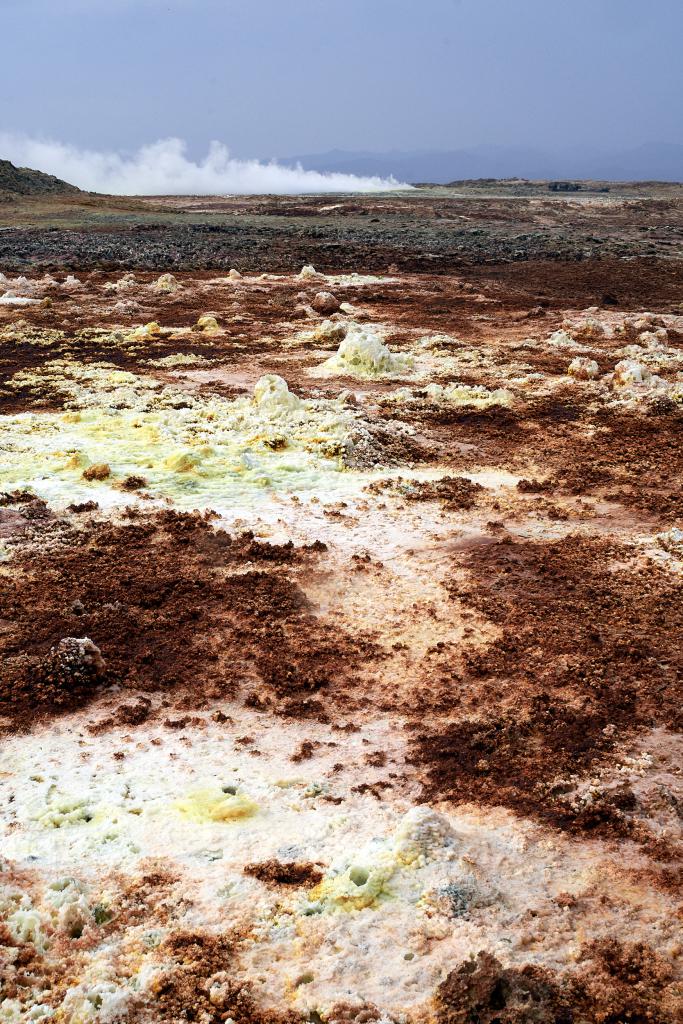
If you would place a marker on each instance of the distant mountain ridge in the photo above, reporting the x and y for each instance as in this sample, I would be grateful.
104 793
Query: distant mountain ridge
24 181
648 162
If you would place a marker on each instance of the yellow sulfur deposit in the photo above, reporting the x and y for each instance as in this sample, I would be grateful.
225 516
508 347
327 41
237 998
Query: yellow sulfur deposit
151 330
629 372
179 359
208 324
464 394
196 450
476 395
62 810
583 369
166 285
182 462
77 460
329 332
360 886
422 836
309 273
214 804
271 392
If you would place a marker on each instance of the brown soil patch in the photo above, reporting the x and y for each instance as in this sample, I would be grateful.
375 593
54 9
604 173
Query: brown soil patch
588 652
614 982
455 493
174 606
203 986
276 873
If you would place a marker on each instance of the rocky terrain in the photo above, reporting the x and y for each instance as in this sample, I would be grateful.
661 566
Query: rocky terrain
23 181
430 230
341 567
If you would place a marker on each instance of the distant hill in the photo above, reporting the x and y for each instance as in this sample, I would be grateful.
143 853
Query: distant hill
23 181
649 162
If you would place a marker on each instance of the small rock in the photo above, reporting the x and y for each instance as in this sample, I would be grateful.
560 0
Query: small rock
98 471
133 483
325 302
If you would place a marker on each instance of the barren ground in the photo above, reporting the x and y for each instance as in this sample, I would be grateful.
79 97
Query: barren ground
341 652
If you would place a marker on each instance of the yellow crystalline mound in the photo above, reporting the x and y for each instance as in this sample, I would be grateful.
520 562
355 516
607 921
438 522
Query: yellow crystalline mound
589 329
561 339
182 462
166 285
212 804
465 394
360 886
208 324
151 330
308 273
629 372
583 369
329 331
422 835
363 354
76 461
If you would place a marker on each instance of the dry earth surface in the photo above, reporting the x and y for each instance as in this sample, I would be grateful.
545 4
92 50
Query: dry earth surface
340 608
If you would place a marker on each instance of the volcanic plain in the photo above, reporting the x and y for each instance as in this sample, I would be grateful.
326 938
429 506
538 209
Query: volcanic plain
341 579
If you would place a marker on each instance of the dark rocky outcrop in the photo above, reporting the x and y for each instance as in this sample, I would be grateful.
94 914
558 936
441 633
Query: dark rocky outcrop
23 181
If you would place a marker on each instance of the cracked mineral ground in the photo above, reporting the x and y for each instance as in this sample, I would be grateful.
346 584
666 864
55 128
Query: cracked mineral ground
341 579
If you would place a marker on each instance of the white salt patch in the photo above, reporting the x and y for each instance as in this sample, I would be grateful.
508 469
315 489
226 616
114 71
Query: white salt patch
8 299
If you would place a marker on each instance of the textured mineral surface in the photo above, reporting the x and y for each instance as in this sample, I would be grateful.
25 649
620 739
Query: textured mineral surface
341 637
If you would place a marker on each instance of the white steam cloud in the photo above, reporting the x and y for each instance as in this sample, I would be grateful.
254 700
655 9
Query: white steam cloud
163 168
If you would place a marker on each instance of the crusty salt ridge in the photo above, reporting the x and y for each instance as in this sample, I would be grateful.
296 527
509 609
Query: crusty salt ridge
411 872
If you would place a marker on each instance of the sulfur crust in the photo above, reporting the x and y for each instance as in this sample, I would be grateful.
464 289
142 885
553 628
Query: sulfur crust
212 804
191 447
422 836
476 396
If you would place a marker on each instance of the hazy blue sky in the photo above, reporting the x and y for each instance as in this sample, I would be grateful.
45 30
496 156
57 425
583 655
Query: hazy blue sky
271 77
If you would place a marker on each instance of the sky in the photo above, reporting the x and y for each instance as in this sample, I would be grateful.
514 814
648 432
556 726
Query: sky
273 78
